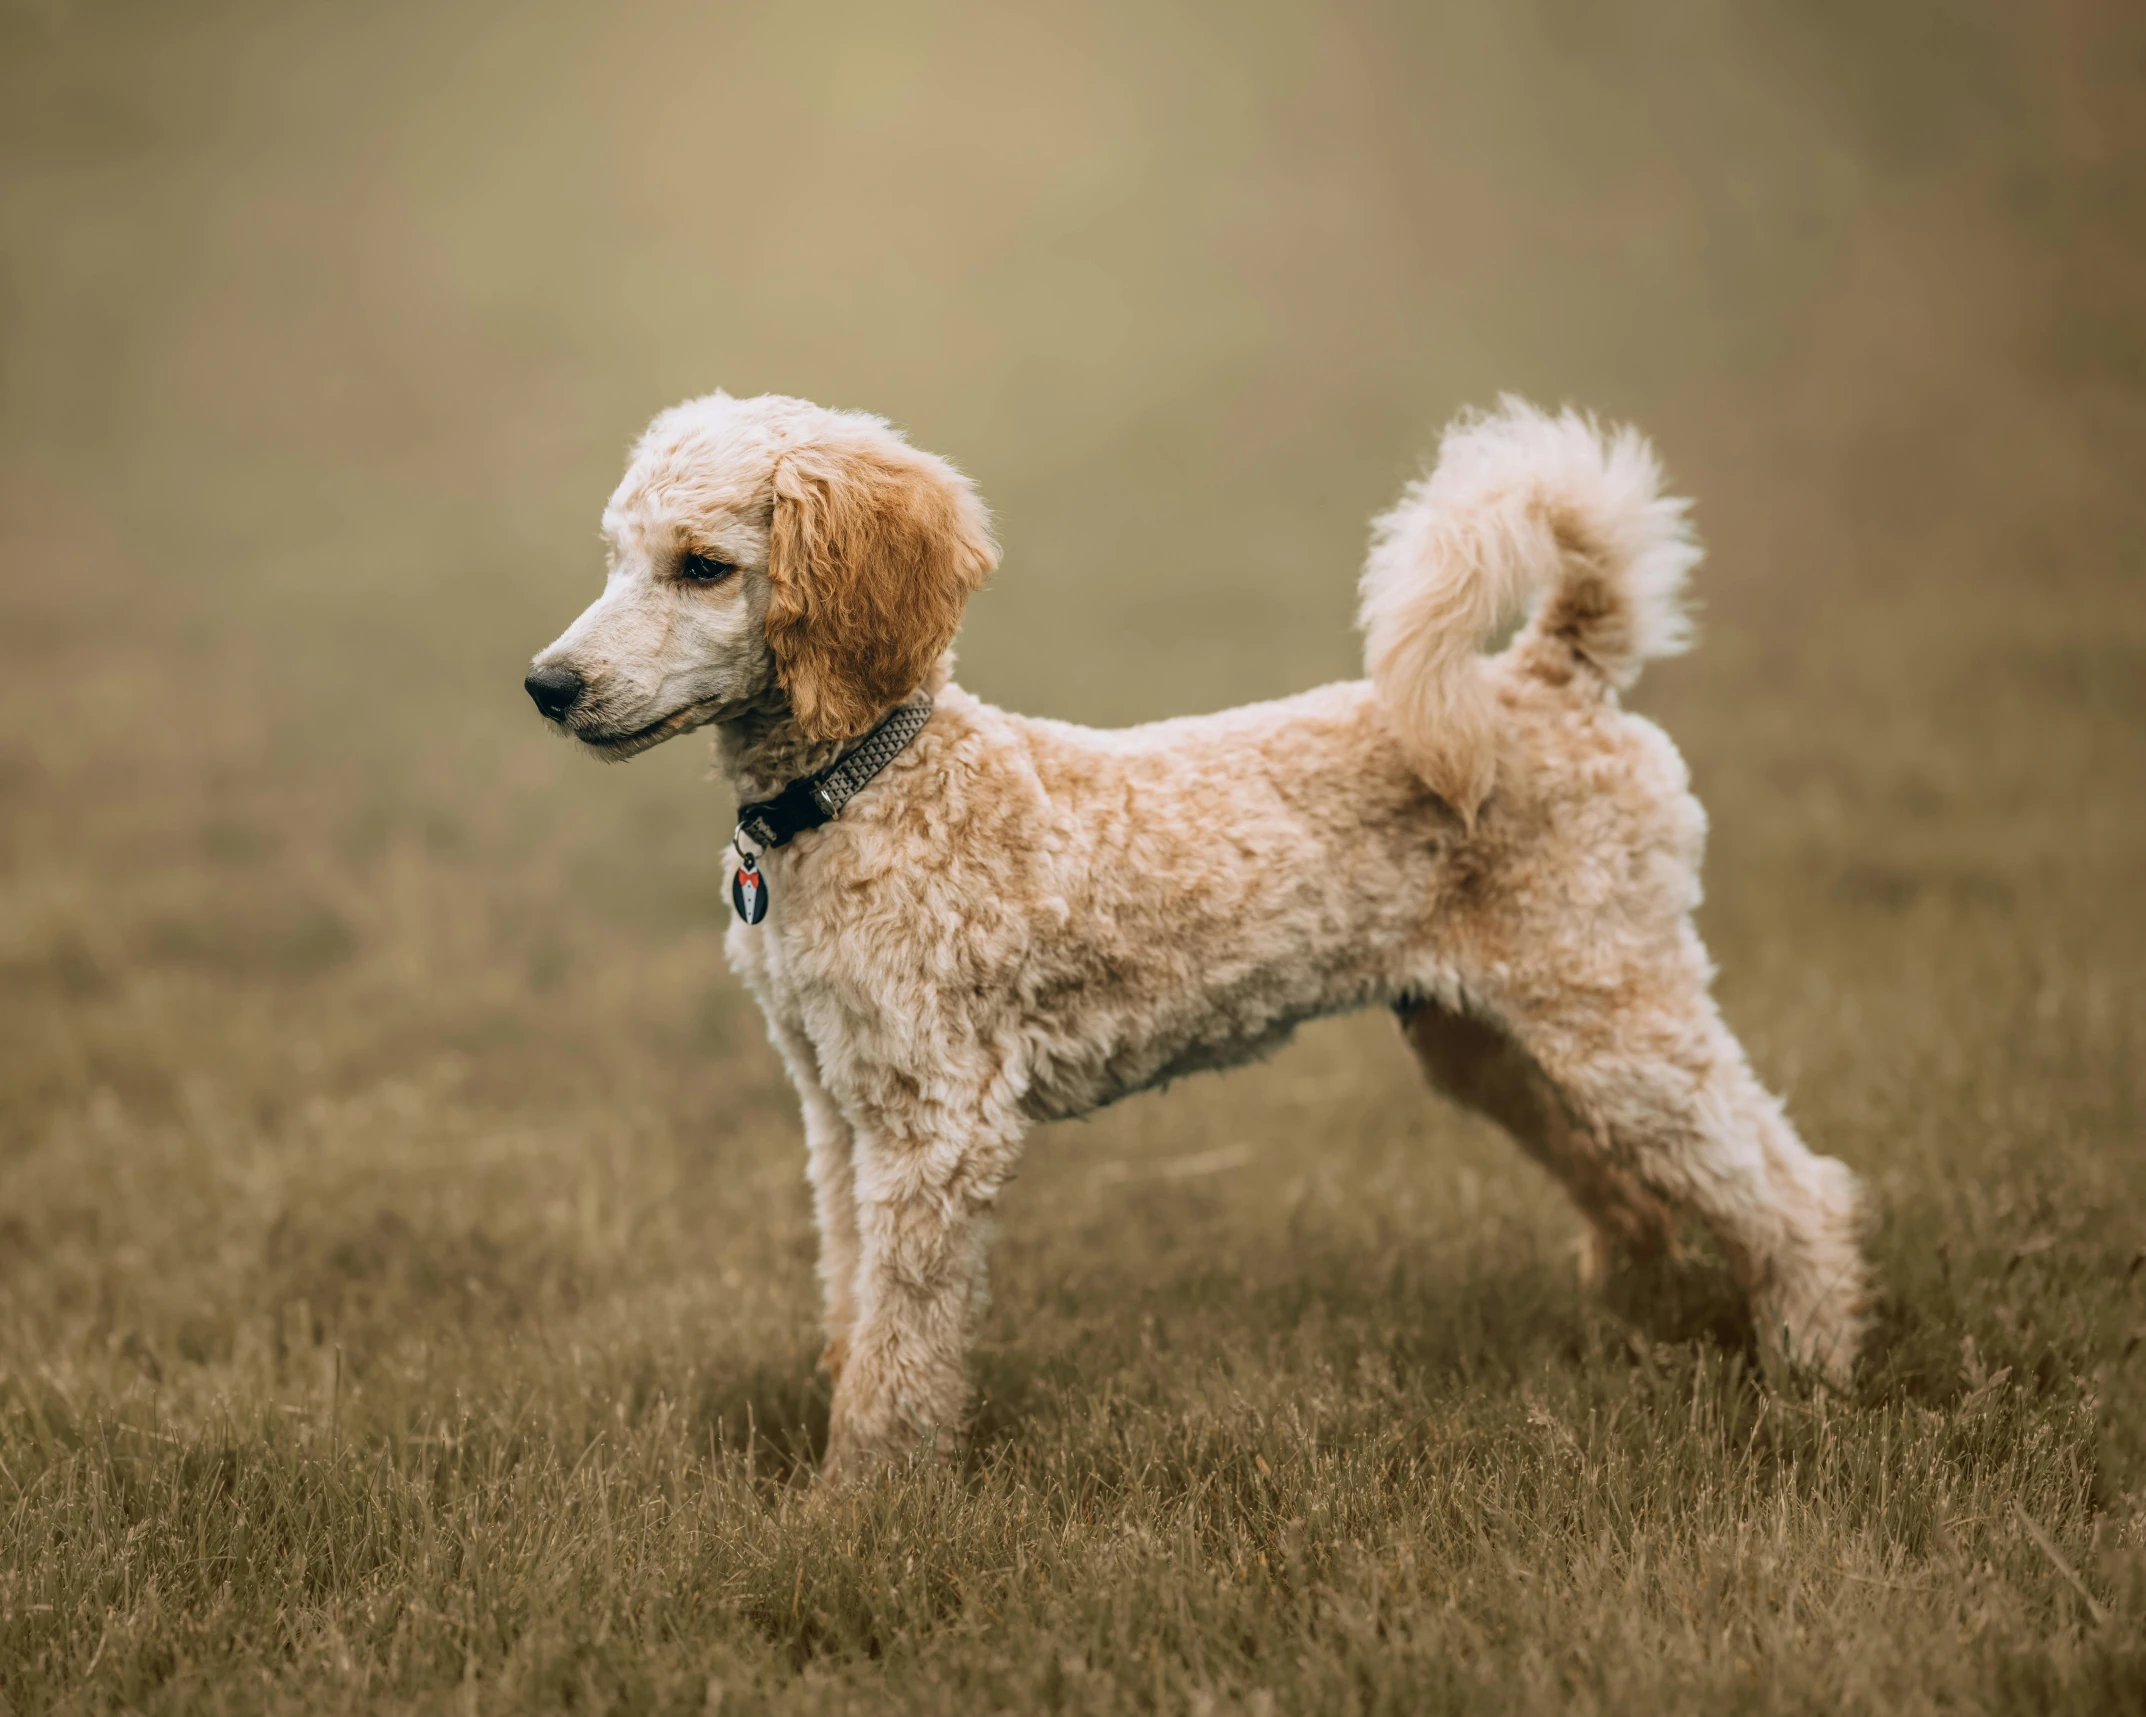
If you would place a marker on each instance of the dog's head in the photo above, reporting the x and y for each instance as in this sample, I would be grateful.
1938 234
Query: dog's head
763 545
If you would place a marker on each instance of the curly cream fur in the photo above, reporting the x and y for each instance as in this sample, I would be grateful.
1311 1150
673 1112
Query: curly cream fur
1024 919
1520 506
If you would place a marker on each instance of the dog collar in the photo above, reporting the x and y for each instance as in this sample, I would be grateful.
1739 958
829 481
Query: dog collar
811 800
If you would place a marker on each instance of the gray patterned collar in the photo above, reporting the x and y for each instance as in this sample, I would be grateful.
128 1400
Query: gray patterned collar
811 800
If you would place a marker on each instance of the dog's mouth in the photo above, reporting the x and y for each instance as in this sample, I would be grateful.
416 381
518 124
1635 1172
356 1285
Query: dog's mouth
620 746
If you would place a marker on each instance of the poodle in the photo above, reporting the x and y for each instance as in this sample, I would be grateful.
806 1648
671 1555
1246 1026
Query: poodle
960 921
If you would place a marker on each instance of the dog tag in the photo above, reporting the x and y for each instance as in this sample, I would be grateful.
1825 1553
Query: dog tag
748 892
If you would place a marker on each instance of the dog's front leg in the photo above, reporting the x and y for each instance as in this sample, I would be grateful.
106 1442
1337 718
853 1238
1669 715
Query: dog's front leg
921 1217
830 1148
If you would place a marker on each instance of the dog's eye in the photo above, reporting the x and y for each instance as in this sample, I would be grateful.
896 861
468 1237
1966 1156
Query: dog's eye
704 569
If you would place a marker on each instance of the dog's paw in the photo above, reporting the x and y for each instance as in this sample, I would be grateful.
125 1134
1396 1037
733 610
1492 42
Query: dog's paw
872 1427
852 1458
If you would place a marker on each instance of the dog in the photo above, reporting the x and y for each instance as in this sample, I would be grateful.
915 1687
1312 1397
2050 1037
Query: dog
1008 920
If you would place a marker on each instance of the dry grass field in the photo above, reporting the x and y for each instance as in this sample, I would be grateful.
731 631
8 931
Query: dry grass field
406 1289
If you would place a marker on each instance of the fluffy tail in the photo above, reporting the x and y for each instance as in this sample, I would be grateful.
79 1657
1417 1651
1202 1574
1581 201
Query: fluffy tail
1524 513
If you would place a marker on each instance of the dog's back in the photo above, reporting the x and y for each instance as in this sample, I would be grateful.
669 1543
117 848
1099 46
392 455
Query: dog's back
1216 880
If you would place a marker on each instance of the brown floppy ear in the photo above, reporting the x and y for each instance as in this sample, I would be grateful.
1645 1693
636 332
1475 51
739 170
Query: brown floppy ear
873 552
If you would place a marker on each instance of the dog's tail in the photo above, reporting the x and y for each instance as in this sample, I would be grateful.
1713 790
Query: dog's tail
1525 513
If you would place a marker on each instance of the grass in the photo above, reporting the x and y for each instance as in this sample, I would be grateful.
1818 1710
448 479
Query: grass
406 1290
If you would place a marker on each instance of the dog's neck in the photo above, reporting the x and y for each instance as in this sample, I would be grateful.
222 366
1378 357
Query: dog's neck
763 750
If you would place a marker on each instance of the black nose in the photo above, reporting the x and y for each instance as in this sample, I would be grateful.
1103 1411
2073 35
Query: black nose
553 690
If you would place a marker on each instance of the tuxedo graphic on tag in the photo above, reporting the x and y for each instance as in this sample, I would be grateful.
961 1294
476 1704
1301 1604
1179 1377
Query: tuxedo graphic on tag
748 892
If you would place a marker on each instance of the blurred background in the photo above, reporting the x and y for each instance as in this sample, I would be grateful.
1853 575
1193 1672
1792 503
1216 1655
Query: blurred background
341 1004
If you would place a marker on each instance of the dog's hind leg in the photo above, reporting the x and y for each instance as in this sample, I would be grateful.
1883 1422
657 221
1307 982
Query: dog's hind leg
1480 1067
1642 1100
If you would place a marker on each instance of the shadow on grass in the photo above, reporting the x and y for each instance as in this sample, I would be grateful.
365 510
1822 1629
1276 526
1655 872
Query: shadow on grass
1436 1322
1685 1302
1421 1321
773 1415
